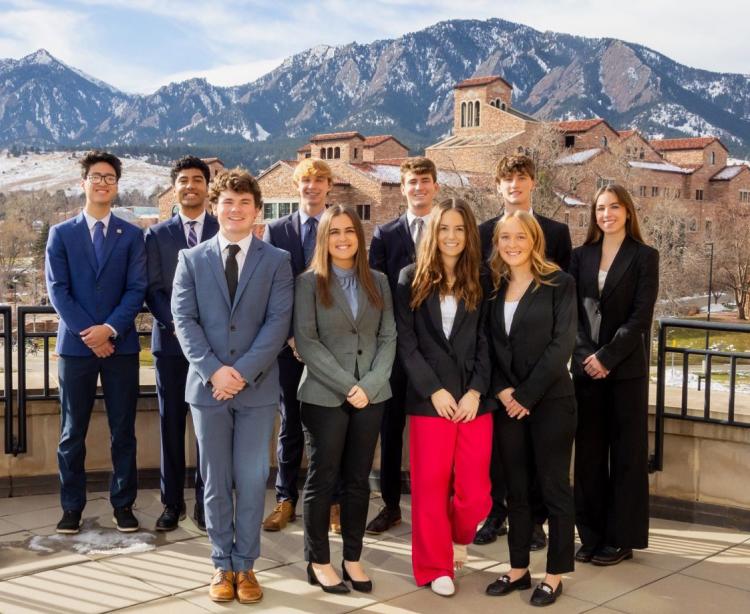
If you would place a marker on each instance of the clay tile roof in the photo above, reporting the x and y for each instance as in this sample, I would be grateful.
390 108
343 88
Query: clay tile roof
371 141
578 125
626 133
480 81
307 147
690 143
336 136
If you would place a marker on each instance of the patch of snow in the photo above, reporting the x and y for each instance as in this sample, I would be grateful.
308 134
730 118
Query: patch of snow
94 541
659 166
579 157
262 133
728 172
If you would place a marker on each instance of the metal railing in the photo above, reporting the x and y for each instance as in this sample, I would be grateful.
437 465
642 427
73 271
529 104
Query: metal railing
708 354
7 397
27 342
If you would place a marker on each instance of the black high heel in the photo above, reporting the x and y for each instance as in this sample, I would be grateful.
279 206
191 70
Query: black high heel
363 586
339 588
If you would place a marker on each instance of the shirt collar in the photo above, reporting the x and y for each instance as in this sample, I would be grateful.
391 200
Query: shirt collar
200 219
410 217
303 217
91 220
243 243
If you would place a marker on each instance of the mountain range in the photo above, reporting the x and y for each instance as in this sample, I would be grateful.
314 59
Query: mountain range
402 86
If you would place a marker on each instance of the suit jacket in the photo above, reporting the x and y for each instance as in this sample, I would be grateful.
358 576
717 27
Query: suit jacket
533 358
163 242
623 312
84 293
556 237
433 361
246 334
391 249
340 350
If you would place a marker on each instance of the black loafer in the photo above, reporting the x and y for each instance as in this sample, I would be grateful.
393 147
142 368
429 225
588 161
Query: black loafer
585 553
170 518
490 531
504 586
387 518
199 517
544 595
538 538
611 556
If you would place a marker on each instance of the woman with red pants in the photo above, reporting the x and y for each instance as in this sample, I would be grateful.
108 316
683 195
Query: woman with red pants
439 316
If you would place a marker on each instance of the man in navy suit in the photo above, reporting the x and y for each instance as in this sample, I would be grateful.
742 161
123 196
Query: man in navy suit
188 227
392 248
96 280
514 180
232 306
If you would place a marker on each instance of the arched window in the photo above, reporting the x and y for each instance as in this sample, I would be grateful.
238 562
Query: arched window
463 114
604 141
476 113
470 116
713 157
322 153
330 153
502 106
337 152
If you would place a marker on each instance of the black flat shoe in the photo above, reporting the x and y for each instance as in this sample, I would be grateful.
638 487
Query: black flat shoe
611 556
538 538
490 531
544 595
363 586
504 586
585 553
170 517
339 588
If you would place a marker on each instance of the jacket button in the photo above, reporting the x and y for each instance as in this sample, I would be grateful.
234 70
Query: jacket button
359 352
231 352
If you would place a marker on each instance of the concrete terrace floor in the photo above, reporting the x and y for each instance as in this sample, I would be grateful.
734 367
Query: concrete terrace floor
688 569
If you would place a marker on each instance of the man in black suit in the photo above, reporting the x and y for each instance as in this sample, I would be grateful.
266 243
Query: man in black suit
296 233
393 247
514 179
188 227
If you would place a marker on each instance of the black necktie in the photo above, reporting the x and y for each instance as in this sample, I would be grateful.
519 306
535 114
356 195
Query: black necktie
231 270
308 245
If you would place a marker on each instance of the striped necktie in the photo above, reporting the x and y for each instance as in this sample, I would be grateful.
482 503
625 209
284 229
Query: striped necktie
192 238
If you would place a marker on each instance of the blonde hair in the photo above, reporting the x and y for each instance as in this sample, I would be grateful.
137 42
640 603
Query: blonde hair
541 268
312 167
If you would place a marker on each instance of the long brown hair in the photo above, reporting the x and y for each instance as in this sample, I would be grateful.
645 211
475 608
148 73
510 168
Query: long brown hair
430 274
541 268
632 228
321 261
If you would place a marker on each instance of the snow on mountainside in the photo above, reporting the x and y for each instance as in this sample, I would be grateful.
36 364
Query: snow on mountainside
60 171
403 86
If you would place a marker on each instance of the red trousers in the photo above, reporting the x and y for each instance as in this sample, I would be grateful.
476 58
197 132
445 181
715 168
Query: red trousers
450 489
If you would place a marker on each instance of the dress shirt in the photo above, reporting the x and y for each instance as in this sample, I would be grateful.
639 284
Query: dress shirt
600 279
244 245
347 279
410 217
91 222
199 221
448 308
509 310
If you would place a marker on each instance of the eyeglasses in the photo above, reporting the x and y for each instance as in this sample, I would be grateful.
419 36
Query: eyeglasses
108 179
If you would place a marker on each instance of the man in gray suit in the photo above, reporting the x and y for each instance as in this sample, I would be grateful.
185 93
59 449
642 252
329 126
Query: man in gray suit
232 299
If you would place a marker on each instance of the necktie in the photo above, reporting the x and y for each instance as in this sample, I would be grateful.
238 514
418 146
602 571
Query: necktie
99 242
192 238
231 270
308 245
419 226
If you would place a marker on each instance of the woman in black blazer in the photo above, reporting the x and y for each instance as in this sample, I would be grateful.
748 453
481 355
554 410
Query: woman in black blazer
531 325
618 281
441 342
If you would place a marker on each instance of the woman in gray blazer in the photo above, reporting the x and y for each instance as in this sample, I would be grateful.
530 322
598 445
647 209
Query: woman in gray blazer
346 335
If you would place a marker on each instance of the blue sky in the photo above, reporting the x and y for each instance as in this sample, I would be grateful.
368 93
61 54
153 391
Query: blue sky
139 45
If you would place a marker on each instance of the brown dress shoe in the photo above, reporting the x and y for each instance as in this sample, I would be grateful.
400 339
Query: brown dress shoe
336 518
282 514
248 589
222 586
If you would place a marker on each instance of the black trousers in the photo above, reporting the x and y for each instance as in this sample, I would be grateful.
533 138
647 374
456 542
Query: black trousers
547 435
291 442
171 375
391 438
611 464
340 445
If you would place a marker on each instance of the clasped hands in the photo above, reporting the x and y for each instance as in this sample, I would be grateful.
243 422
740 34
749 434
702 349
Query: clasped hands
464 411
512 407
357 397
97 339
594 368
226 382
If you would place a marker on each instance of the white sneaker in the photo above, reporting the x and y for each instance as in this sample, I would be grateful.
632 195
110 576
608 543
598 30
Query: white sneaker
443 586
460 555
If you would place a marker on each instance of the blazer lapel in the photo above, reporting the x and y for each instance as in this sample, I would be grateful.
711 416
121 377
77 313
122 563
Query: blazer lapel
252 259
177 232
294 231
337 292
460 315
362 302
86 241
113 233
216 263
436 315
406 235
210 228
620 264
523 306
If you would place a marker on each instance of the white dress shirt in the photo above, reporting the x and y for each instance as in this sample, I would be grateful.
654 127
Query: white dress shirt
448 308
199 221
91 222
410 217
240 257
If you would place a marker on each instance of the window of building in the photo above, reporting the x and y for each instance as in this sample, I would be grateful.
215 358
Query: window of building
570 140
581 220
693 226
355 153
567 218
627 151
308 154
667 192
337 152
745 196
604 141
502 106
708 229
273 210
463 114
677 192
363 211
602 182
654 191
642 190
699 195
642 154
330 153
712 157
476 113
322 153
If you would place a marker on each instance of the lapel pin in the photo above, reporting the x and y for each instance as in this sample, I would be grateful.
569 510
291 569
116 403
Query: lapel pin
119 231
